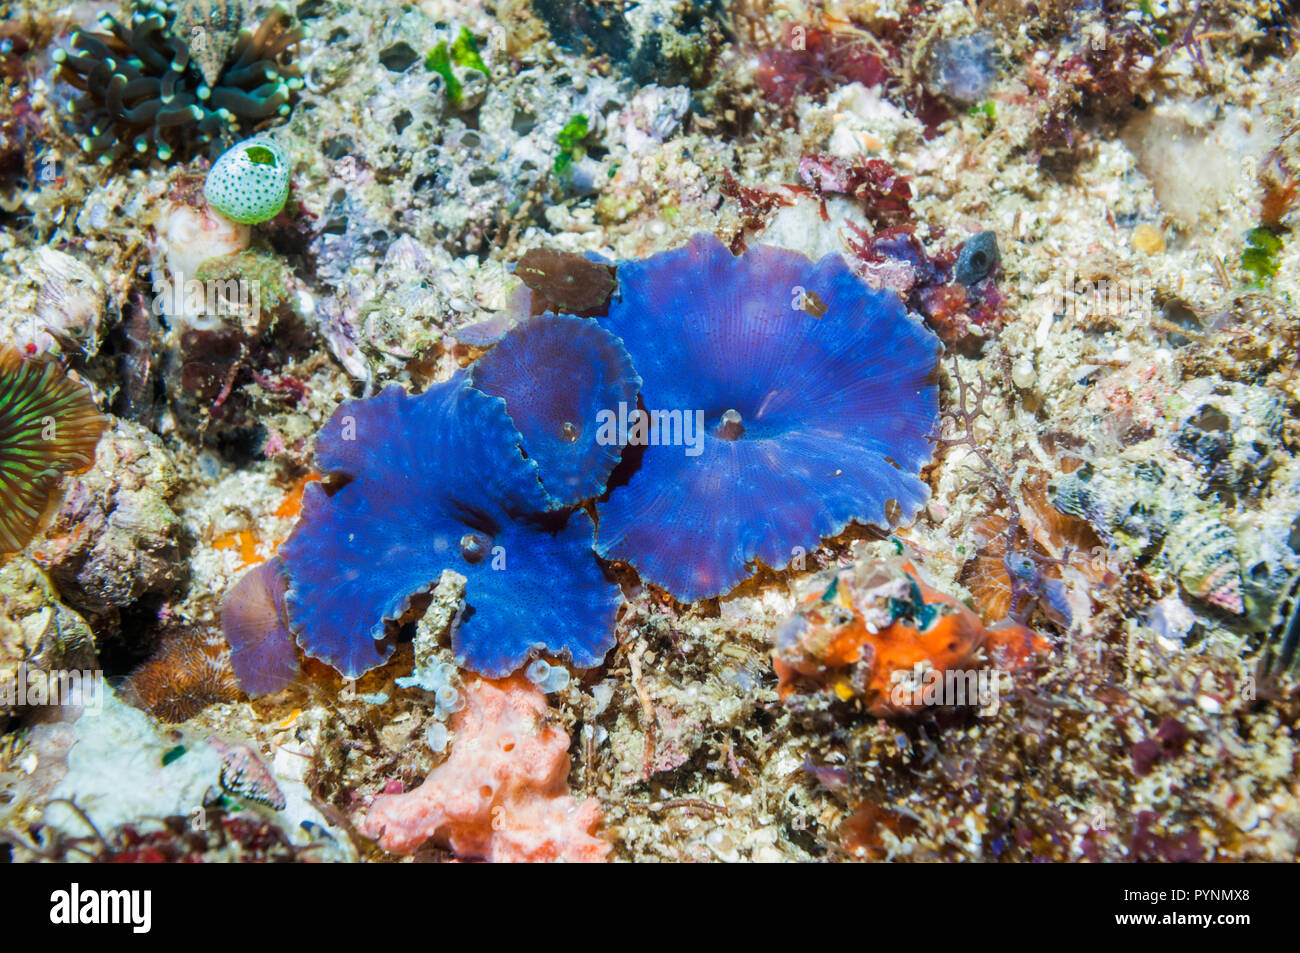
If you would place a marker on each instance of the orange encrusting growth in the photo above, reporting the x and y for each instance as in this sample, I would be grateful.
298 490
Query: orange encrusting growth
291 505
1013 646
862 833
951 638
876 624
249 543
245 541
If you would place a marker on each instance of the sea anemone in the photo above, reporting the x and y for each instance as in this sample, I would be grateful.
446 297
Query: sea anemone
433 482
48 427
810 422
556 374
147 88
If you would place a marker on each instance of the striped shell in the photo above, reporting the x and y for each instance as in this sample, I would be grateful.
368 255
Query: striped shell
1284 632
244 774
1074 498
1133 511
71 302
1202 552
210 28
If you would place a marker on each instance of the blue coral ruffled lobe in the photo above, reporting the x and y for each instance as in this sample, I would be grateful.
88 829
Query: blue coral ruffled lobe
556 373
794 400
826 417
433 482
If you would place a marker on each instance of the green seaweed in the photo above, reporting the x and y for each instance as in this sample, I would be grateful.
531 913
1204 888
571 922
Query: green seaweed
464 52
569 139
1260 257
1161 36
439 61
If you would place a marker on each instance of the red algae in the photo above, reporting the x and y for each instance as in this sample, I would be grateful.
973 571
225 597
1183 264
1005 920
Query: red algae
812 62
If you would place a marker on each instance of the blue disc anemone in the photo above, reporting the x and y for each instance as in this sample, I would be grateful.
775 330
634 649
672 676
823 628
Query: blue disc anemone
556 374
817 399
433 482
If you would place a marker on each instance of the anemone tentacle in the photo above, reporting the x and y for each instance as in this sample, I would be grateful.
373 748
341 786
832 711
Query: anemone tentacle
142 79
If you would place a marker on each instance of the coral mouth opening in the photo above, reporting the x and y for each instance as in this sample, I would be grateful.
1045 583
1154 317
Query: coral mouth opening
731 426
473 548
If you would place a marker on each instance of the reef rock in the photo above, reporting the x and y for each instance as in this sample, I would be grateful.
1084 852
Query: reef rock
36 631
115 538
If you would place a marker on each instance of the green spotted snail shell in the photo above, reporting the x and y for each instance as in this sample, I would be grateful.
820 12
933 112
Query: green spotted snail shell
249 183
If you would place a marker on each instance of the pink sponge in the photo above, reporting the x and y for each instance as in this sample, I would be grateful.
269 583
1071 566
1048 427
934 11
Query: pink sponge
503 794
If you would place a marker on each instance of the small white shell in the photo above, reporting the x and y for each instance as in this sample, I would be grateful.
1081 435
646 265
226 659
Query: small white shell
70 306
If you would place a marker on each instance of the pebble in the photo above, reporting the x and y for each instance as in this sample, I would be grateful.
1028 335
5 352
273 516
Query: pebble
1148 239
1023 373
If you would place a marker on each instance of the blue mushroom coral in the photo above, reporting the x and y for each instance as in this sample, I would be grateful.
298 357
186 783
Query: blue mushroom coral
780 401
556 374
433 482
816 397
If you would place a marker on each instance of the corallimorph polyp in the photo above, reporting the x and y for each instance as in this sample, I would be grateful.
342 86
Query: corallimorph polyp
432 482
262 651
556 373
815 415
144 93
48 427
